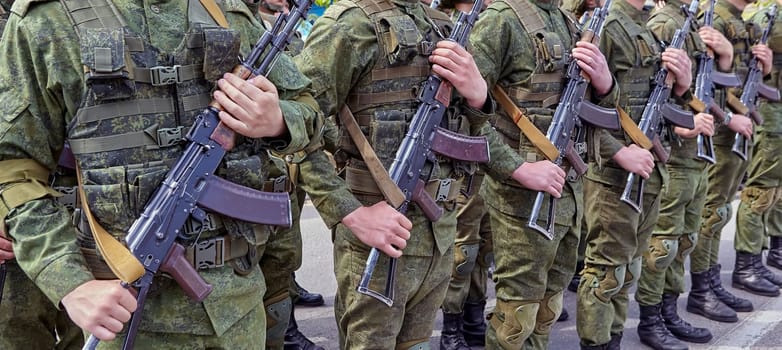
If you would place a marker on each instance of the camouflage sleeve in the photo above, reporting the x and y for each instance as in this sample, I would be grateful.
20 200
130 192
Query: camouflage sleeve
328 192
40 86
609 145
504 159
499 42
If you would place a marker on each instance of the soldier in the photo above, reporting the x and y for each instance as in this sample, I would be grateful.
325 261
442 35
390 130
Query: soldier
27 318
531 270
675 234
724 179
617 235
755 219
120 50
376 75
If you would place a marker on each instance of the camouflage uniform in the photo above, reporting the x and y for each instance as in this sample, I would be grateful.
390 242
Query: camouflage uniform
683 196
617 236
119 181
342 55
726 175
764 183
531 271
27 318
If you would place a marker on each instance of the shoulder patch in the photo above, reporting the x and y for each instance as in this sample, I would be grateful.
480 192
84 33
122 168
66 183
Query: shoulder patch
336 9
20 7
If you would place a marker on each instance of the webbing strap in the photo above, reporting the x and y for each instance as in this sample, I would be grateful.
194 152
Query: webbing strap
527 127
632 130
124 108
215 12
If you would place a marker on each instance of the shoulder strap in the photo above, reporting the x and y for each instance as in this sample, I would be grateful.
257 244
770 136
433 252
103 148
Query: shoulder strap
528 16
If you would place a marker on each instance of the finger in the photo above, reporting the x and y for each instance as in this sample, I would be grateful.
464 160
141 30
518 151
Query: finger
234 88
230 108
120 314
398 242
234 124
6 244
112 325
127 300
264 84
391 251
406 224
102 333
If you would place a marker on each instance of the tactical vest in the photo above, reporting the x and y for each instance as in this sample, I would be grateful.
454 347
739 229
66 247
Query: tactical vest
385 100
741 36
538 95
138 105
635 82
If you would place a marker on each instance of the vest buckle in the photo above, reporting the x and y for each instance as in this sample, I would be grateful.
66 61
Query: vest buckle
165 75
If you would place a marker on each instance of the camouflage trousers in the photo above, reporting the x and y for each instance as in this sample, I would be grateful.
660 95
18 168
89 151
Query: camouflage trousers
616 238
366 323
28 320
531 274
280 258
724 180
244 334
674 236
473 252
758 213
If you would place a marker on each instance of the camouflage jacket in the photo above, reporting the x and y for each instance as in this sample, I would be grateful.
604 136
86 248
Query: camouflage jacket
340 52
42 85
772 111
664 23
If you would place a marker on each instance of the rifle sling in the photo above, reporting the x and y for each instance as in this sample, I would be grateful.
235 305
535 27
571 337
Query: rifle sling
736 105
215 12
632 130
697 105
529 129
390 190
120 260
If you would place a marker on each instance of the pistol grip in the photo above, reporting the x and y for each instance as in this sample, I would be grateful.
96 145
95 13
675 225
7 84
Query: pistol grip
425 202
575 160
658 150
185 274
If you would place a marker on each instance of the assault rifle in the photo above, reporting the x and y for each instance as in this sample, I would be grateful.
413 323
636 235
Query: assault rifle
566 124
705 83
190 185
658 111
753 87
416 155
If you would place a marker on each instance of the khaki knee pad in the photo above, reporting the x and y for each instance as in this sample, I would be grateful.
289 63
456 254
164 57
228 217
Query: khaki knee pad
633 272
513 322
464 259
716 220
418 344
759 199
662 250
605 281
687 244
278 313
550 308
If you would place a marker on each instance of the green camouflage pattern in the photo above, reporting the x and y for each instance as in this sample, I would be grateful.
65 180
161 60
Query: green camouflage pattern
40 113
770 110
684 195
473 250
725 176
616 235
28 320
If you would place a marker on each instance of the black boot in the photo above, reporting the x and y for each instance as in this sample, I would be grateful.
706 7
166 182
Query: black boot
653 333
774 257
726 297
765 272
594 347
563 316
680 328
306 298
295 340
746 277
451 337
573 285
474 323
615 343
704 302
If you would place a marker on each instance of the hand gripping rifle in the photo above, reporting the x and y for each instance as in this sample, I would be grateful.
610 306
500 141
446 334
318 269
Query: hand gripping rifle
753 87
424 139
658 111
705 83
190 185
567 121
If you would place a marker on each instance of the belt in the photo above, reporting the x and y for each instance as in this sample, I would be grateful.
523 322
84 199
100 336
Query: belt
361 182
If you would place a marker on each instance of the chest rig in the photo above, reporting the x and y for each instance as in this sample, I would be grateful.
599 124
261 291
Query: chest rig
539 94
138 105
384 101
741 36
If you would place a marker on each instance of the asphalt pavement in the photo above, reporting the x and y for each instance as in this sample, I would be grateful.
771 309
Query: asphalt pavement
757 330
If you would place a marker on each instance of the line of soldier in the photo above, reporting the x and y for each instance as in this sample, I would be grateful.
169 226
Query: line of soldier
365 56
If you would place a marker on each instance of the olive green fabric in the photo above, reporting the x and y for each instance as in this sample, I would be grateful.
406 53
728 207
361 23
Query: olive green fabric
43 87
726 175
684 195
617 235
28 320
